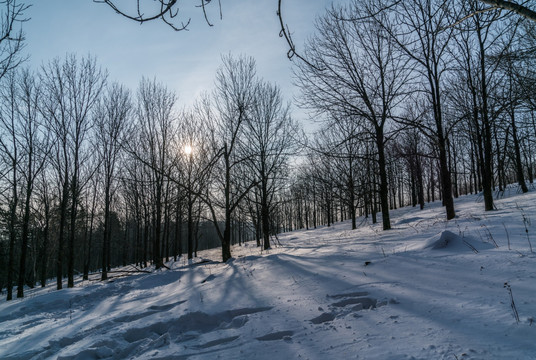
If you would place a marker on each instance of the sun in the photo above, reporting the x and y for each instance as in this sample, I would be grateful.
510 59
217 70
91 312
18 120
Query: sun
188 149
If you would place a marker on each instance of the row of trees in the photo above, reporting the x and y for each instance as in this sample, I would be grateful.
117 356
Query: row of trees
93 177
414 104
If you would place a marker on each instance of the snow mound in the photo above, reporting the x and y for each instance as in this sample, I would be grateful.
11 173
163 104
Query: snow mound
448 240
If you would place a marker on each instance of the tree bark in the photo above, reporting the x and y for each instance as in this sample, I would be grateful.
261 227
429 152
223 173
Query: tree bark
487 173
384 185
517 150
25 233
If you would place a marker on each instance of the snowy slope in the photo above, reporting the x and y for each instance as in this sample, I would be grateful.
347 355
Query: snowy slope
428 289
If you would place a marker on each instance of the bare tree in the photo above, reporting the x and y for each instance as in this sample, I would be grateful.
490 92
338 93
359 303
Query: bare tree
35 145
194 164
234 97
484 41
11 156
135 185
482 28
44 215
340 141
111 124
71 89
156 128
512 95
421 32
91 207
23 153
410 149
270 138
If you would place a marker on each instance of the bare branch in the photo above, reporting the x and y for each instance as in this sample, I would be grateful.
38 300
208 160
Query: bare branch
11 40
285 32
512 6
166 12
474 13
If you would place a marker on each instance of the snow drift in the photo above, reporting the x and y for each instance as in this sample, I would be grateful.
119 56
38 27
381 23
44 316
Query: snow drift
447 240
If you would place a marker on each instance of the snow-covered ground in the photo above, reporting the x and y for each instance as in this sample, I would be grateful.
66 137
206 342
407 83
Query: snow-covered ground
428 289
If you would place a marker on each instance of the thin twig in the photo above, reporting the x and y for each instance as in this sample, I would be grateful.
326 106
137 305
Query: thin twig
512 303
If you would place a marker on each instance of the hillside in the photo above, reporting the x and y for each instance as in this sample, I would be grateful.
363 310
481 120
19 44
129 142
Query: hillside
428 289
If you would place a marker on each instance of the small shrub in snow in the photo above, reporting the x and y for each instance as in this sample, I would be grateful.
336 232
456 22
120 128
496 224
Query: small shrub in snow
526 222
512 303
507 236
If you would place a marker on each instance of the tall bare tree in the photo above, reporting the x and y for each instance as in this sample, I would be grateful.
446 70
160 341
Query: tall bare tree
10 153
234 97
422 32
270 138
35 145
339 140
194 164
71 89
112 115
156 127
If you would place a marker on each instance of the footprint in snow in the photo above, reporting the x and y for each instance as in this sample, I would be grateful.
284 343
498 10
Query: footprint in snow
285 335
210 277
322 318
359 301
216 342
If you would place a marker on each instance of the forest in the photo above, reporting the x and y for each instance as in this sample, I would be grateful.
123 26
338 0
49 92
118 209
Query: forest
410 102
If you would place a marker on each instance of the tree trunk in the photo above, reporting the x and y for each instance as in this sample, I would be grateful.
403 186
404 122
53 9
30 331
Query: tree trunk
24 242
61 237
11 259
265 210
105 238
146 241
487 173
351 204
384 186
226 241
87 260
74 207
44 253
190 227
519 164
158 226
265 215
420 184
177 231
446 182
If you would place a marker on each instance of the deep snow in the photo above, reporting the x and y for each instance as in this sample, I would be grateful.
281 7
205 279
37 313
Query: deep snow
428 289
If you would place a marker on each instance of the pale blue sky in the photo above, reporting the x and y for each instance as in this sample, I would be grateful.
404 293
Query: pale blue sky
185 61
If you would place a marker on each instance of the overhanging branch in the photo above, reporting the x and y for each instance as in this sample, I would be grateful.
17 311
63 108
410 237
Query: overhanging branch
512 6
